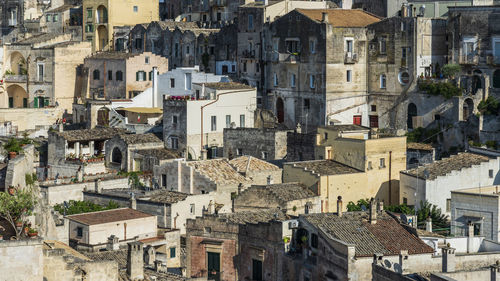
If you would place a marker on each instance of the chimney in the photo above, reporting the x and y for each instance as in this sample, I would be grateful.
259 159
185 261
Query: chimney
150 256
373 212
112 244
158 265
470 236
133 202
448 255
339 206
495 271
155 87
380 206
403 256
270 179
135 264
98 187
377 258
324 17
298 129
428 224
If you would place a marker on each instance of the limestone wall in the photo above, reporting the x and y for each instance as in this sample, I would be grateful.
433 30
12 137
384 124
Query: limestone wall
18 167
30 118
21 260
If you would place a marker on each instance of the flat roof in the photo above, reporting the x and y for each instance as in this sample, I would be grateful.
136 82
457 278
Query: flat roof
108 216
325 167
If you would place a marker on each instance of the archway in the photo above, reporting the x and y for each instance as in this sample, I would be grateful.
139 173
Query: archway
412 112
496 79
468 109
102 14
103 117
18 98
280 110
116 156
102 37
17 64
476 84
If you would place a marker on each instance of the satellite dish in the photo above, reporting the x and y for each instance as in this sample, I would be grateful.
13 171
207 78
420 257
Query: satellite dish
363 207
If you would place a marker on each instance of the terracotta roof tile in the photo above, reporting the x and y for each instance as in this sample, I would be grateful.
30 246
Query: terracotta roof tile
341 17
90 134
140 138
284 191
241 164
255 216
218 170
326 167
160 153
419 146
108 216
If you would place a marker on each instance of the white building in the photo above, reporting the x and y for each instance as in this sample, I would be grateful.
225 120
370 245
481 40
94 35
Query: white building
434 182
196 122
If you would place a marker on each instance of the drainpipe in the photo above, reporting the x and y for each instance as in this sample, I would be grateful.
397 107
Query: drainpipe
104 88
203 106
390 167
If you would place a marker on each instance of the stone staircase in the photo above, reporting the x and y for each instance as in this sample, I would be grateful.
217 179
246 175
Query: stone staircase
116 120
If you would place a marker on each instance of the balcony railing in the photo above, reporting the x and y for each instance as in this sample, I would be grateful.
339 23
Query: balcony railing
248 54
350 58
469 59
218 3
16 78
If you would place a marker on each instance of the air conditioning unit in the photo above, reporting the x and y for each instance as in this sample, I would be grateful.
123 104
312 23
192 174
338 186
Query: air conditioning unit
293 224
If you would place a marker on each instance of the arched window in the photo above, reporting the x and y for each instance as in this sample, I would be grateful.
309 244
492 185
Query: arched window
96 75
119 76
382 81
496 79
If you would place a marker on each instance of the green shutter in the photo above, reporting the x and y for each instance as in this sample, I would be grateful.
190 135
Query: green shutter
35 102
137 76
150 75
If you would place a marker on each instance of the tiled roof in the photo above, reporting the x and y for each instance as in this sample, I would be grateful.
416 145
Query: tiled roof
285 191
160 153
108 216
90 134
38 38
386 236
226 86
253 164
419 146
326 167
61 8
255 216
120 256
164 196
447 165
341 17
140 138
112 55
218 170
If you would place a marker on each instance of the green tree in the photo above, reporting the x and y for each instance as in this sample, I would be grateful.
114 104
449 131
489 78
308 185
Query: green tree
79 207
13 145
17 207
351 207
426 210
450 70
489 106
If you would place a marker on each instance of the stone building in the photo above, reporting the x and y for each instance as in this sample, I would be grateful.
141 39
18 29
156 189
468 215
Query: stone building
238 246
211 12
63 19
90 231
419 154
262 143
258 171
292 198
121 149
100 17
308 82
119 75
195 124
12 12
434 182
251 20
41 71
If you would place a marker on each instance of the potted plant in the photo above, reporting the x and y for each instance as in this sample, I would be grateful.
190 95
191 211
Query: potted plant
13 147
19 223
286 239
32 232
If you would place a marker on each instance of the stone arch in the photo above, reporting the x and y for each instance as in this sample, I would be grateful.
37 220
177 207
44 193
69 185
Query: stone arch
103 116
102 37
412 112
117 156
467 109
102 14
496 78
280 110
18 97
17 63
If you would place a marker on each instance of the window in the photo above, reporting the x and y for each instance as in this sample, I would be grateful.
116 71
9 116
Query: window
348 47
405 201
176 49
188 82
110 75
48 18
138 43
150 75
275 82
207 230
174 141
374 108
239 151
174 119
245 66
191 209
382 81
383 45
213 123
326 136
292 80
448 205
373 121
55 18
312 46
349 76
369 165
96 75
140 76
187 50
496 77
119 76
41 70
136 9
79 231
228 121
314 240
172 252
213 152
250 22
311 81
382 162
292 46
256 270
146 60
264 155
172 83
164 180
89 13
356 120
242 121
89 28
490 173
307 104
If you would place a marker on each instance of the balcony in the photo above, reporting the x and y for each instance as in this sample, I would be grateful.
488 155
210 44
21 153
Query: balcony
248 54
350 58
218 3
16 78
469 59
493 60
286 57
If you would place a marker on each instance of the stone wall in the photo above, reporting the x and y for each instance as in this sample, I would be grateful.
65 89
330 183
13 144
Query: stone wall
380 273
18 167
255 142
300 147
21 259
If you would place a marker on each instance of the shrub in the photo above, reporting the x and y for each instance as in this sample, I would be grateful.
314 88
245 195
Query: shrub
450 70
79 207
489 106
445 89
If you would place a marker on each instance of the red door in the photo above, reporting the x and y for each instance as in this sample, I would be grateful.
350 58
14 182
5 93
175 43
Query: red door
356 120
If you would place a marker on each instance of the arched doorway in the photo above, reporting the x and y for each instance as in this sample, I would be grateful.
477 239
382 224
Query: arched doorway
467 109
412 112
102 37
17 64
116 156
103 117
18 98
280 110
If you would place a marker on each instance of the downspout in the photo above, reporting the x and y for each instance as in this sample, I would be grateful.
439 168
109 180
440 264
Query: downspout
104 74
390 187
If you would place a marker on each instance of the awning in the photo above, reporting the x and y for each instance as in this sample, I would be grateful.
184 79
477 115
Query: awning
142 109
